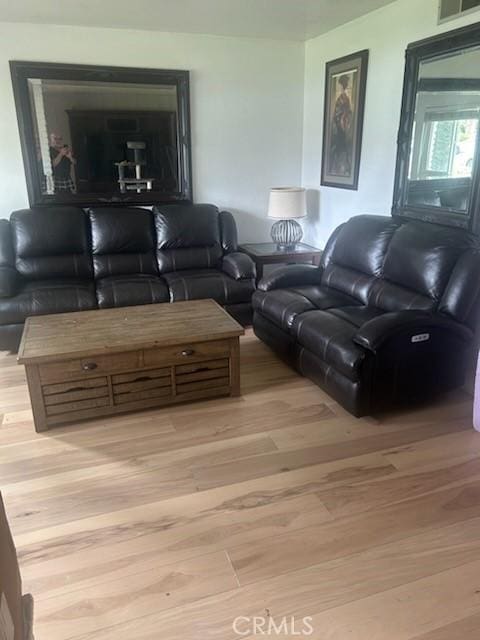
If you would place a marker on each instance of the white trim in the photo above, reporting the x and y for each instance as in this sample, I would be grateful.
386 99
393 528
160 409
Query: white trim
454 16
43 140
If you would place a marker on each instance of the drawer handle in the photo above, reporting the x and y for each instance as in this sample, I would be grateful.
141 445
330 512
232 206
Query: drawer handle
142 379
188 352
90 366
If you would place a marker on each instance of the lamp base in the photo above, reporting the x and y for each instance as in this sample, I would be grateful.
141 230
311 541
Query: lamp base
286 234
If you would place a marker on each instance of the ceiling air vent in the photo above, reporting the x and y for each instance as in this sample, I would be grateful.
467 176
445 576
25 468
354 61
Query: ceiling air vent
452 8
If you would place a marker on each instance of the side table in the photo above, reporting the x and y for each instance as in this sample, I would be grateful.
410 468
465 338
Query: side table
267 253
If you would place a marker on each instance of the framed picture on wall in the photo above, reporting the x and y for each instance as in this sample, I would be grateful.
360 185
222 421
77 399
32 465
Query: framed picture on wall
345 83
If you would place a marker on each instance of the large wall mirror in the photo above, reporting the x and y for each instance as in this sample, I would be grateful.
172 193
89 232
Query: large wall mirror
93 135
437 175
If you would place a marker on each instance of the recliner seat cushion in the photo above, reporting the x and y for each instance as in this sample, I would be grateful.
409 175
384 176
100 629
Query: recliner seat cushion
349 393
208 283
357 315
329 335
131 290
50 296
122 242
393 297
187 239
282 306
51 243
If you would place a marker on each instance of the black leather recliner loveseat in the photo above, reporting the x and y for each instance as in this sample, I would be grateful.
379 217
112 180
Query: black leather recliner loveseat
386 319
63 259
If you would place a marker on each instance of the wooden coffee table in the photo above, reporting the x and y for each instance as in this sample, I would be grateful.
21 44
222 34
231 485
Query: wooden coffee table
103 362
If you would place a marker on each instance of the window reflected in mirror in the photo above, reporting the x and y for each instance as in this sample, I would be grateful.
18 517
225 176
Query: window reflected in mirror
445 132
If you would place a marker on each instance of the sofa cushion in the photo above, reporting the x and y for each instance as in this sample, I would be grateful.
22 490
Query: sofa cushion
122 241
282 306
349 393
330 338
356 255
357 316
461 298
190 259
51 243
42 297
208 283
188 237
325 297
362 243
420 258
130 290
393 297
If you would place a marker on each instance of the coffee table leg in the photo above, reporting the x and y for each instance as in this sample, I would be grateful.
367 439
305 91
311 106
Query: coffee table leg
234 367
36 398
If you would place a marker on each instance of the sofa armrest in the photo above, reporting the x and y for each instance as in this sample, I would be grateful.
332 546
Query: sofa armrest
239 266
411 324
292 275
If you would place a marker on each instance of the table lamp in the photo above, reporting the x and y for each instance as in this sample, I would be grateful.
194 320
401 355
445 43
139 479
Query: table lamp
285 204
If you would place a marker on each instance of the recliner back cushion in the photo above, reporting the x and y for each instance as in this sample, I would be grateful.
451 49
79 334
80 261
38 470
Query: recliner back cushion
122 241
418 265
461 298
228 232
355 258
188 237
51 243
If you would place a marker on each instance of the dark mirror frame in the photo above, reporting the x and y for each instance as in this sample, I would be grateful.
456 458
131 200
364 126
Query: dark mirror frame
22 71
417 52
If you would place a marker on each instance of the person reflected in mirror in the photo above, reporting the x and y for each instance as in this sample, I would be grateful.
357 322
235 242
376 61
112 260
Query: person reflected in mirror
62 160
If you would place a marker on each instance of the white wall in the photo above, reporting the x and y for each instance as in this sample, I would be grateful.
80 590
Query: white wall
386 33
246 104
252 102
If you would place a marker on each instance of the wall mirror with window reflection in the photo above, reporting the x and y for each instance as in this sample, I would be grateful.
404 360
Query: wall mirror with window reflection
437 172
103 135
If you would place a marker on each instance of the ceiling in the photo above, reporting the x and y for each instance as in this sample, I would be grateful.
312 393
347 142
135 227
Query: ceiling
279 19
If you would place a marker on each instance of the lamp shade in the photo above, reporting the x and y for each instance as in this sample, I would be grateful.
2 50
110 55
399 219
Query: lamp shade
287 202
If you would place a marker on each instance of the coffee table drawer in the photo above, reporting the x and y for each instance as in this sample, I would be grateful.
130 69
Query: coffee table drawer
187 353
142 385
68 397
102 364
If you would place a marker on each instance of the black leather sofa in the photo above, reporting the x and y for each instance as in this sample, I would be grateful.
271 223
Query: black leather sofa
388 318
63 259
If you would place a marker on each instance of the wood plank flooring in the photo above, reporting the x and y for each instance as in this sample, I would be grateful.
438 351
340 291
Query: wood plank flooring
278 504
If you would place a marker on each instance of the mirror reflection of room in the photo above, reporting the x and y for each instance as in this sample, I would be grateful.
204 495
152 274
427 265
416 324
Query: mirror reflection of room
97 137
445 132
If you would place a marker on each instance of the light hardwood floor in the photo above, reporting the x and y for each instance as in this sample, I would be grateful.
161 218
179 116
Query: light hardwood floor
169 524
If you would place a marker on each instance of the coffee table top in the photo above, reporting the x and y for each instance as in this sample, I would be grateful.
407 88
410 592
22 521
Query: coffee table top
88 333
